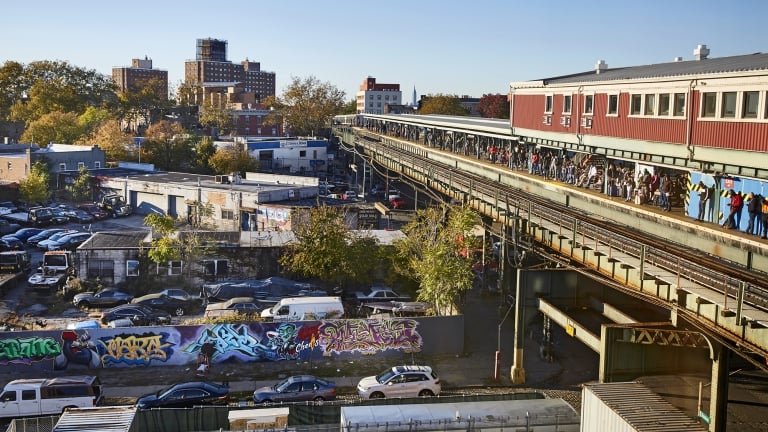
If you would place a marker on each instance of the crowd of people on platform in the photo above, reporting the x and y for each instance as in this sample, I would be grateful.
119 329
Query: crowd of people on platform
757 211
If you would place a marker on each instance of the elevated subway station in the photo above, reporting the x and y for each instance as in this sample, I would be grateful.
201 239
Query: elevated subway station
585 227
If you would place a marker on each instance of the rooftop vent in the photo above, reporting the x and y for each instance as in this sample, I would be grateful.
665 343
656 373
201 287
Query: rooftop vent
701 52
678 59
600 66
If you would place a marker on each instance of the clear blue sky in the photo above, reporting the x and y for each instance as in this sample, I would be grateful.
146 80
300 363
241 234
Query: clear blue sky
438 46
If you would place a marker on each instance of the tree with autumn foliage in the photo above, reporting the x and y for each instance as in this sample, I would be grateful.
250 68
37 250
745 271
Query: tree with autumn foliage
232 159
493 106
327 250
441 104
168 146
433 254
306 106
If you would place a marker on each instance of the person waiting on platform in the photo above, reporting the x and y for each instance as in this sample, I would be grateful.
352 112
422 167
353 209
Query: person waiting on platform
764 216
753 208
734 216
705 194
665 193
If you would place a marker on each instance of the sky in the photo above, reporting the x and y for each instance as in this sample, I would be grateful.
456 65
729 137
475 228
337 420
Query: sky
437 46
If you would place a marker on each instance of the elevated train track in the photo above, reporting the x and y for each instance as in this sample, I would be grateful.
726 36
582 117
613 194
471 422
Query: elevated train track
667 268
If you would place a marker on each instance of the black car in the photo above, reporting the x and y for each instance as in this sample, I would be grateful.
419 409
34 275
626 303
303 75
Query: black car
11 244
186 395
296 389
59 216
23 234
138 314
166 303
79 216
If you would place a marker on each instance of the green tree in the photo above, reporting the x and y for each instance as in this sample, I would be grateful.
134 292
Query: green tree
204 150
431 254
306 106
35 188
219 117
327 250
494 106
110 137
54 127
349 108
165 245
168 146
145 103
92 118
82 188
442 104
232 158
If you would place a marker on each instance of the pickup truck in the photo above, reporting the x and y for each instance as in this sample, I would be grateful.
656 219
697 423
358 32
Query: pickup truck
45 396
54 270
36 216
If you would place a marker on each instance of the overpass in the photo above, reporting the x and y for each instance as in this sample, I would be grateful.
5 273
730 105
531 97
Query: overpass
710 310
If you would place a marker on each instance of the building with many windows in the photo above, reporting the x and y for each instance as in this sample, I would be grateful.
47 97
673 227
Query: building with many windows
212 70
138 75
372 98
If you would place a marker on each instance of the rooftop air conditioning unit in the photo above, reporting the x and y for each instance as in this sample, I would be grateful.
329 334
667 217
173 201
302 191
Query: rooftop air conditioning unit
586 122
565 121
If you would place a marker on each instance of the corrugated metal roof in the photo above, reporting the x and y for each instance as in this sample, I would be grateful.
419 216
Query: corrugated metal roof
645 410
741 63
97 419
115 239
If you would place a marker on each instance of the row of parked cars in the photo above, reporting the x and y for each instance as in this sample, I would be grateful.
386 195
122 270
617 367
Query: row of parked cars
396 382
45 239
126 310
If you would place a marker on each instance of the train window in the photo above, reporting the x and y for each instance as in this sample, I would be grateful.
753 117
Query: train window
679 110
588 104
749 104
613 104
548 104
664 104
709 104
728 109
566 104
650 104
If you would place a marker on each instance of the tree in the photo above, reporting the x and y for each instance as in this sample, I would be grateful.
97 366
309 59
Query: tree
111 138
326 249
35 188
54 127
217 117
232 158
144 103
81 189
168 146
494 106
442 104
204 150
165 246
431 254
349 108
306 106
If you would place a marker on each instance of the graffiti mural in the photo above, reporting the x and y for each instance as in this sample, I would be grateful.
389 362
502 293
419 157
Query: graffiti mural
229 340
28 349
77 350
135 350
369 337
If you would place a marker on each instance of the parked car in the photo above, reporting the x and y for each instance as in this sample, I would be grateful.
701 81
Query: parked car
94 211
105 298
23 234
169 304
180 294
11 244
400 381
298 388
32 241
397 203
59 216
237 305
186 395
69 242
380 294
43 244
79 216
138 314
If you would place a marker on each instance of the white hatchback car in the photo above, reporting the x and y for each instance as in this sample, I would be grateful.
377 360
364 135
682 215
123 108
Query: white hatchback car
400 381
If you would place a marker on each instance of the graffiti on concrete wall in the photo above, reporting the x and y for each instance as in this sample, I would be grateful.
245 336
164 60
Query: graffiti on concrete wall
28 349
242 342
369 336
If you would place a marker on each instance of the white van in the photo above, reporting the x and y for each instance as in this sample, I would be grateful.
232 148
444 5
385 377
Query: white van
42 396
305 308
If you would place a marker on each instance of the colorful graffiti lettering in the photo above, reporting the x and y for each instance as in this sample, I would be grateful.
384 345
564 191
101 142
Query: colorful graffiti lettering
27 350
228 338
136 350
368 337
284 343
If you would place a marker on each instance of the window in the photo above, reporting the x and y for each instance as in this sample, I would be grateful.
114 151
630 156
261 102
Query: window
80 165
215 267
679 109
174 267
613 104
131 268
28 395
709 104
588 104
227 214
635 102
650 104
728 109
548 104
566 104
749 104
664 100
62 166
97 164
302 153
102 269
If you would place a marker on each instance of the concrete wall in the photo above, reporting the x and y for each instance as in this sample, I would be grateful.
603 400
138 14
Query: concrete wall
247 342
